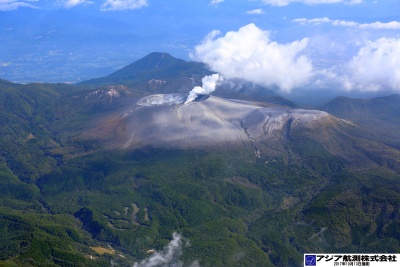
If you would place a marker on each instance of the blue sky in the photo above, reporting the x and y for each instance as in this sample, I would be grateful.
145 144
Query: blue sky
351 44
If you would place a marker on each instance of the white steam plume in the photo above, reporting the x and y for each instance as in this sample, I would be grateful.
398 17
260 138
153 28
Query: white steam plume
169 256
210 82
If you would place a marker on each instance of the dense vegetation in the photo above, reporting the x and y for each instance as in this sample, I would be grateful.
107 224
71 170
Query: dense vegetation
234 212
62 198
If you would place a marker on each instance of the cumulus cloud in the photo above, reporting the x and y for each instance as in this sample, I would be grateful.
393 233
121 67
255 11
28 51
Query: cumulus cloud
358 65
116 5
308 2
250 54
393 25
9 5
258 11
170 256
376 67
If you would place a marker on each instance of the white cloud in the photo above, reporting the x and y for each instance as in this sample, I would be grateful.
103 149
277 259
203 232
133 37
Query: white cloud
216 2
315 21
116 5
72 3
255 12
308 2
393 25
9 5
344 23
318 21
251 55
375 67
354 2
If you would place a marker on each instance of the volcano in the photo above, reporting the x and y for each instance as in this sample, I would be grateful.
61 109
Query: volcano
163 120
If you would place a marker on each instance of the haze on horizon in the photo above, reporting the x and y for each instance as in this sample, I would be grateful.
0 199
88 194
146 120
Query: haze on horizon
293 46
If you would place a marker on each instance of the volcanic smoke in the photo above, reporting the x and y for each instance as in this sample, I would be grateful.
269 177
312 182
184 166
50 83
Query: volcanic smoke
209 82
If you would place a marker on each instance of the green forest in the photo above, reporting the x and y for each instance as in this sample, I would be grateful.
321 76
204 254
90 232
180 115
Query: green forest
63 196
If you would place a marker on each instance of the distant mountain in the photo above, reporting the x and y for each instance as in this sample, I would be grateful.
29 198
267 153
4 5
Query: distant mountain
5 83
379 116
155 66
380 108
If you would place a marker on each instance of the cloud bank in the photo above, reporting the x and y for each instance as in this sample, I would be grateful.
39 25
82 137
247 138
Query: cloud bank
250 54
117 5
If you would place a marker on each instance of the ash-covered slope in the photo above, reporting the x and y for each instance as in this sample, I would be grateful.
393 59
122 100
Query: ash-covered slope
163 120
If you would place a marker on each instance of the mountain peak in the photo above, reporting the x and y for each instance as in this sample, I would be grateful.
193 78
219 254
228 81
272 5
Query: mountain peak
155 61
161 56
156 65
